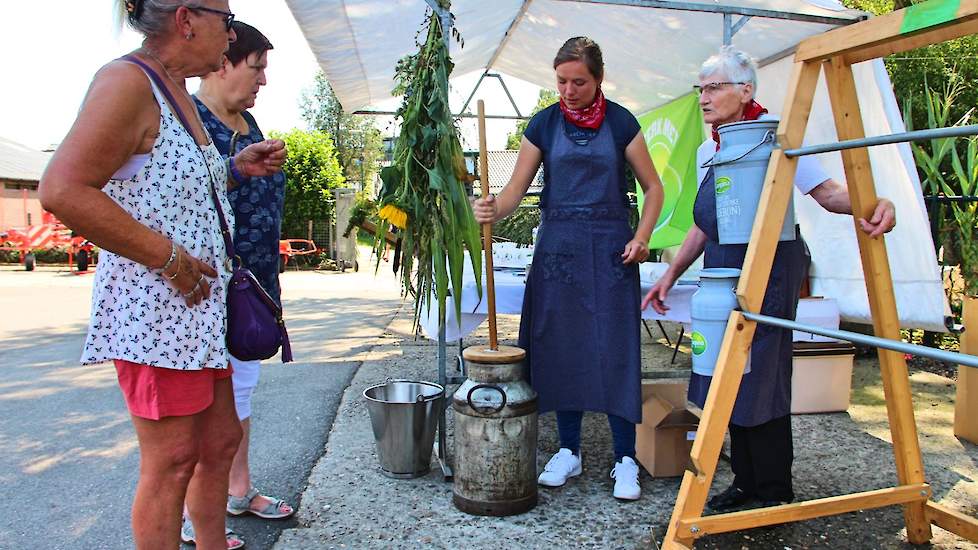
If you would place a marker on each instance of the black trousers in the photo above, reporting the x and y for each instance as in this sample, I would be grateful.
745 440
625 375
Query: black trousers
761 457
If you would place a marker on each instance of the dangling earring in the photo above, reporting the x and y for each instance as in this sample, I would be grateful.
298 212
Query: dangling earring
189 36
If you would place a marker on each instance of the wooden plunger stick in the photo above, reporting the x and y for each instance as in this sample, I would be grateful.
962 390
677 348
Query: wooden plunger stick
487 228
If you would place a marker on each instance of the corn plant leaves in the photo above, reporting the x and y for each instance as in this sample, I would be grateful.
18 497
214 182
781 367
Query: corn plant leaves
425 183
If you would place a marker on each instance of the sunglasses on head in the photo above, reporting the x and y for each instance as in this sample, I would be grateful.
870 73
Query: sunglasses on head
228 16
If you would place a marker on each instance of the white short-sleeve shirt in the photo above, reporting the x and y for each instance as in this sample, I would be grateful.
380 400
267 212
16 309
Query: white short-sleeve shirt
808 175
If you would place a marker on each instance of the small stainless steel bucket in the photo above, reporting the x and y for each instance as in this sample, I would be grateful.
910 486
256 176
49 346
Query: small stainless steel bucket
404 416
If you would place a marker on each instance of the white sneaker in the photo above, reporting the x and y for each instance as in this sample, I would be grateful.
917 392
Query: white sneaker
625 474
563 465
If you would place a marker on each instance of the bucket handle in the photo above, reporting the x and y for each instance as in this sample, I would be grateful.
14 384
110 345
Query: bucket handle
768 136
490 409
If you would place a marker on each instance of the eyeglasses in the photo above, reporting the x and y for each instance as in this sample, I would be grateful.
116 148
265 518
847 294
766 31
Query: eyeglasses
228 16
713 87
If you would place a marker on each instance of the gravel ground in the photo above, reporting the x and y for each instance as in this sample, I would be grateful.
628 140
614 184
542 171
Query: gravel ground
349 504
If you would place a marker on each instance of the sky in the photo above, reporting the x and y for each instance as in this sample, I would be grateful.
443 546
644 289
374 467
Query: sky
53 49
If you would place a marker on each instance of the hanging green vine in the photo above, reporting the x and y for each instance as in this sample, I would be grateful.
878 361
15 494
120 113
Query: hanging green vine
423 194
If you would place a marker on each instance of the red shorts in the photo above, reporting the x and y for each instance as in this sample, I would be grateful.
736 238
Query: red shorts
155 392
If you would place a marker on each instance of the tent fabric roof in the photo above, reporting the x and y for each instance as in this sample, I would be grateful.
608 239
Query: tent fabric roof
21 163
651 55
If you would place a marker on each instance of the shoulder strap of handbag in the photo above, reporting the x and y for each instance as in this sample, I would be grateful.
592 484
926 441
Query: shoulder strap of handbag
175 107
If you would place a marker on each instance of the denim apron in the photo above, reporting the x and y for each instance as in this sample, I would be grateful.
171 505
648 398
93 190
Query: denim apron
765 392
580 320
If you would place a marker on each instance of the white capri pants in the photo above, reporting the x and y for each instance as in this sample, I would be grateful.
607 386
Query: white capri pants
244 379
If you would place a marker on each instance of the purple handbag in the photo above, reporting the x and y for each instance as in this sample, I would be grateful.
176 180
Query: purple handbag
255 328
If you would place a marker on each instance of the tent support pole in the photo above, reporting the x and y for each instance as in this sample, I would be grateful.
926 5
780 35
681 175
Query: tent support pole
509 34
720 8
474 90
502 82
456 115
446 19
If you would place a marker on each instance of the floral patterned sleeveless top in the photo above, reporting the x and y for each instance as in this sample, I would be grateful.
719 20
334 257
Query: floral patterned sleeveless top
137 315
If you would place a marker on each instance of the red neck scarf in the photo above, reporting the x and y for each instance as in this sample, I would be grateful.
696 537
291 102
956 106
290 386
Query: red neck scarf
752 111
588 117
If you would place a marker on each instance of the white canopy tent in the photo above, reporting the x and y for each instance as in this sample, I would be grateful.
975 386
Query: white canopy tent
652 51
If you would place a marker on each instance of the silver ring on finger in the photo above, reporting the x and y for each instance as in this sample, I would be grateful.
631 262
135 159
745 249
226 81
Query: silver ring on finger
190 294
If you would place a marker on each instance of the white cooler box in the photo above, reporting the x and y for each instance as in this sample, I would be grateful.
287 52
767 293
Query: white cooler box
822 377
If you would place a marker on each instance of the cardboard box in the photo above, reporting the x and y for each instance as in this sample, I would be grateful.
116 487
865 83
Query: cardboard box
822 377
665 436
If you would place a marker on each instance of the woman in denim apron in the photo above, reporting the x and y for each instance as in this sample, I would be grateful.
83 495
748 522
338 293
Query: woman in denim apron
581 316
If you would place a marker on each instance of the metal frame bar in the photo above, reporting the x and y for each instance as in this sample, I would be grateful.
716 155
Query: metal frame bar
719 8
446 20
917 135
509 34
458 115
474 90
502 83
865 339
730 28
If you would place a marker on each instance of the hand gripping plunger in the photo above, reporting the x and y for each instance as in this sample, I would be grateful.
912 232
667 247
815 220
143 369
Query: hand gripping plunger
495 410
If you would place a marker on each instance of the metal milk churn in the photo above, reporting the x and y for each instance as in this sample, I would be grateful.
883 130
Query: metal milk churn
739 169
495 434
710 309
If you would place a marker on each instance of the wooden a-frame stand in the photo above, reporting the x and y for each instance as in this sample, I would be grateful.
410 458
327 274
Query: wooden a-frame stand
835 51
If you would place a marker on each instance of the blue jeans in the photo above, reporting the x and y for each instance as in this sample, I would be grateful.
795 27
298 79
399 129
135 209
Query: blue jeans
622 433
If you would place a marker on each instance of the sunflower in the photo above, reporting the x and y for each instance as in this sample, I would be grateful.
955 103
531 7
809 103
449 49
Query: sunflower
397 217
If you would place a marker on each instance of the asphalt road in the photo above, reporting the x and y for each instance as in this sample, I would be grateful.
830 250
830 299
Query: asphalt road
69 460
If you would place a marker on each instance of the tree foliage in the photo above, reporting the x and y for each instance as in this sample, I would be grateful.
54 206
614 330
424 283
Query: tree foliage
546 99
358 143
913 71
312 172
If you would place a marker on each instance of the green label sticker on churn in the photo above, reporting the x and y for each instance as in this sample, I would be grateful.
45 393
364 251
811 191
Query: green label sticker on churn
927 14
698 343
722 185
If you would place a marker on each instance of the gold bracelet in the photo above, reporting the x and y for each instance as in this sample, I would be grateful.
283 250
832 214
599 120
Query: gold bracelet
173 256
177 272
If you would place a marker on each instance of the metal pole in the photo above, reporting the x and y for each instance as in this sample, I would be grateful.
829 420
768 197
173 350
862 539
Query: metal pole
457 115
474 90
727 29
720 8
918 135
512 102
902 347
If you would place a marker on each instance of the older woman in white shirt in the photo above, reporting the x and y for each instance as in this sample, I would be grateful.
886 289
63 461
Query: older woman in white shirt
760 426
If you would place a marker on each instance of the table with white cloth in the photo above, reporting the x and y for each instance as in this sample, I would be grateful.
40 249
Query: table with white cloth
509 272
510 284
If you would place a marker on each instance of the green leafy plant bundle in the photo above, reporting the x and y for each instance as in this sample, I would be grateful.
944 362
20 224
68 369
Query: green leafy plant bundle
423 192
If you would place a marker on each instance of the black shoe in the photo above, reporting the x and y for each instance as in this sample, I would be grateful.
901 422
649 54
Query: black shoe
733 497
770 503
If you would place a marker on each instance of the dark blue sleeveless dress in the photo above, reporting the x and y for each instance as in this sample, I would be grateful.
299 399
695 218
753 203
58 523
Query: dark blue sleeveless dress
581 319
765 392
257 205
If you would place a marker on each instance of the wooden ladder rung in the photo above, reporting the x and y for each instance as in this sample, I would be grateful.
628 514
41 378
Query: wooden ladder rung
952 520
799 511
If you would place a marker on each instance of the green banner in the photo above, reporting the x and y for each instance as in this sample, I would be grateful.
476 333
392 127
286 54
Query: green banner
927 14
673 132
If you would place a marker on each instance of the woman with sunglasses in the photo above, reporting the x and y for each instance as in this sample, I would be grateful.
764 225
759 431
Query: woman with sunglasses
138 175
761 449
580 321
